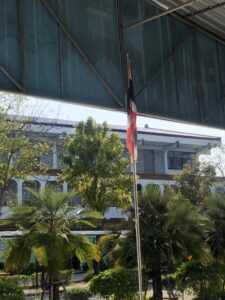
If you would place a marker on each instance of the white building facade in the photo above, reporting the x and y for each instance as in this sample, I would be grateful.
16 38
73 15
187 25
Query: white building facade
161 154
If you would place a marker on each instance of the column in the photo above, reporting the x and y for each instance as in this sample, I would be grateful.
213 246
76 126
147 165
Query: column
54 150
20 191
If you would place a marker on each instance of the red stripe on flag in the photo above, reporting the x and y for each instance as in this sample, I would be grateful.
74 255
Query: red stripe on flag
131 138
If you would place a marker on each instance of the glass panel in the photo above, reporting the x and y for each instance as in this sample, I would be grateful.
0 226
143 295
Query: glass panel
11 193
76 200
54 185
177 159
26 195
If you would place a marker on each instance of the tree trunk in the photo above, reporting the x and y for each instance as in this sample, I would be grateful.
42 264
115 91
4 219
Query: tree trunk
56 291
54 284
50 288
157 281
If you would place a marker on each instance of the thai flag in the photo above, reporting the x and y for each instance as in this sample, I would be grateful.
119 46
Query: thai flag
131 138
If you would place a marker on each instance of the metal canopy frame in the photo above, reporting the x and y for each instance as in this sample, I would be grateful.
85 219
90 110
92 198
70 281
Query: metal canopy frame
161 14
188 18
207 9
175 9
174 12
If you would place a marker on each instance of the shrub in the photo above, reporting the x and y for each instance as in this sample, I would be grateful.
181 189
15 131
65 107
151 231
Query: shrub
25 280
118 283
205 280
9 291
79 294
65 277
21 280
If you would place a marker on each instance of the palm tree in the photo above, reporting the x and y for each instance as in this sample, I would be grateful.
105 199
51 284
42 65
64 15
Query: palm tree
171 230
46 224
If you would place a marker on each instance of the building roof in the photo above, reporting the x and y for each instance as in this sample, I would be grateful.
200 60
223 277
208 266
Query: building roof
208 15
141 130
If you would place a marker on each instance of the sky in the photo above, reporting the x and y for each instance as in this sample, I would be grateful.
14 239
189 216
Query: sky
61 110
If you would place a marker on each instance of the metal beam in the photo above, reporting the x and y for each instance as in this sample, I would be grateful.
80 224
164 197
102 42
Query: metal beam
161 14
207 9
81 52
11 78
192 23
162 66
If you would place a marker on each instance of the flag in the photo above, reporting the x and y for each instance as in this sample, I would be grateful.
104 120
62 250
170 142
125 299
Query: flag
131 138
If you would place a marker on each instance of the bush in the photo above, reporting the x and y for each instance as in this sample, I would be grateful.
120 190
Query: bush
65 277
9 291
24 280
205 280
79 294
21 280
118 283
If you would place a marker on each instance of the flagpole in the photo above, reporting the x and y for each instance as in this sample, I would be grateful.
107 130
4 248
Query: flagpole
137 228
131 141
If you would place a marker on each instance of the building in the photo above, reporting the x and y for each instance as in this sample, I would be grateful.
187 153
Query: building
161 154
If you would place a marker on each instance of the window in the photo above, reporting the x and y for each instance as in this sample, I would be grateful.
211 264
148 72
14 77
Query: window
60 151
33 185
76 200
2 246
54 186
139 187
176 159
11 193
148 161
47 158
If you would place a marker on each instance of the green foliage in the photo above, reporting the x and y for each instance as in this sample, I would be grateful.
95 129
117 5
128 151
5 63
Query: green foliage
117 283
21 280
205 280
46 225
65 277
30 280
20 150
96 166
9 291
195 182
171 230
79 294
216 211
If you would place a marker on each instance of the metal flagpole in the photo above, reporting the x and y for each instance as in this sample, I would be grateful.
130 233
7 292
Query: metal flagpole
131 141
137 228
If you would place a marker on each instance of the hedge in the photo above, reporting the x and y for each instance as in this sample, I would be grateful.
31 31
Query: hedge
25 280
116 283
79 294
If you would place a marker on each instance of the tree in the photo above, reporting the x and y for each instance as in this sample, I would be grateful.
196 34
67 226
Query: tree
20 150
46 226
205 280
216 211
217 159
95 165
171 231
195 182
